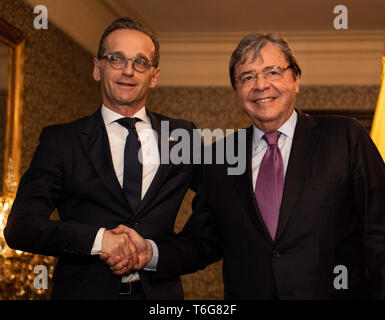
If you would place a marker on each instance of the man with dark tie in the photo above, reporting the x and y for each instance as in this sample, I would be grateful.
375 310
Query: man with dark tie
306 220
103 171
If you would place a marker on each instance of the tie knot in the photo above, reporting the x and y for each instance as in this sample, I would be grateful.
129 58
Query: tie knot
128 123
272 138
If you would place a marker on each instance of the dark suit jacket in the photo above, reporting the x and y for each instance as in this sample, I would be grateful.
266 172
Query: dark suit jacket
72 171
332 213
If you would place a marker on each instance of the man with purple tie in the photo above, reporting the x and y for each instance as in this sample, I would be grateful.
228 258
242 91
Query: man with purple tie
312 198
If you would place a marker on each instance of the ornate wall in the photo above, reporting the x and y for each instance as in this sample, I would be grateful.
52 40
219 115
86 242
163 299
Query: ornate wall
216 107
58 84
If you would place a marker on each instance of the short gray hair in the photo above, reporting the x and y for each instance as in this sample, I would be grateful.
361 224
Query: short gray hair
254 42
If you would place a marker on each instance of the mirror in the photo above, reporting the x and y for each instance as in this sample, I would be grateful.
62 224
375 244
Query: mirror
11 84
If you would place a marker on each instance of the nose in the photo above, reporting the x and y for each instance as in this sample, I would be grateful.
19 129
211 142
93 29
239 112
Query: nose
261 83
129 68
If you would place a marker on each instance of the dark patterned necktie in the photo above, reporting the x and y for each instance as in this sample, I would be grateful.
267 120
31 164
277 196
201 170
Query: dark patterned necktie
132 173
269 185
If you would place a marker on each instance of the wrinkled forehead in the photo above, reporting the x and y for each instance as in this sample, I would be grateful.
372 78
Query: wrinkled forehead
122 40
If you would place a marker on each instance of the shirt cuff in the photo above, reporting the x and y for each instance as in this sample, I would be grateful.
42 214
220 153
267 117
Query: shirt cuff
155 256
97 247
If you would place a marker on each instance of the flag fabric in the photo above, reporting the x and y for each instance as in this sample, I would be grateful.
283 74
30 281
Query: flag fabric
378 126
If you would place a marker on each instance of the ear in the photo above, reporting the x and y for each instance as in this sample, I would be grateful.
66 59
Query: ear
154 78
297 84
96 71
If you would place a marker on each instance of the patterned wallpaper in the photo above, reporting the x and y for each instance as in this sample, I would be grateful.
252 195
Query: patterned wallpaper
216 107
58 84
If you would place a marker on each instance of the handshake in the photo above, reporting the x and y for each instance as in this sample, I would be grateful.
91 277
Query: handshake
123 250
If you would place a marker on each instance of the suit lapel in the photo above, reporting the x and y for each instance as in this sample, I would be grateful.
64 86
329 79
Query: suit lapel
304 141
244 186
97 148
164 168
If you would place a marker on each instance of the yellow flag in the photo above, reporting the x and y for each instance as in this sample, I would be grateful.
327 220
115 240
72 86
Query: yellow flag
378 127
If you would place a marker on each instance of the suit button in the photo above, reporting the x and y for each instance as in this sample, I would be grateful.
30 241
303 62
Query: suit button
133 224
276 254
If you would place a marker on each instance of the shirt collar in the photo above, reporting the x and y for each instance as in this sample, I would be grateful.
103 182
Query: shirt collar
287 129
110 116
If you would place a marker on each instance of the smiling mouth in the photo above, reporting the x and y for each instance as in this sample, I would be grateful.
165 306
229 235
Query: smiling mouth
126 84
264 100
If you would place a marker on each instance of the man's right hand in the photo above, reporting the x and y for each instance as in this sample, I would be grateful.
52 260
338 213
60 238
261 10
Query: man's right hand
139 249
118 252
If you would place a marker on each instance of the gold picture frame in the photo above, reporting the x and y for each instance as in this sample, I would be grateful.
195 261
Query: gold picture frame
15 40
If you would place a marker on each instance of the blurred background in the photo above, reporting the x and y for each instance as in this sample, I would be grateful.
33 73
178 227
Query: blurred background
46 78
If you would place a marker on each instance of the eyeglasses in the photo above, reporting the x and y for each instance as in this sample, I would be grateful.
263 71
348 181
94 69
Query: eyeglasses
119 62
271 73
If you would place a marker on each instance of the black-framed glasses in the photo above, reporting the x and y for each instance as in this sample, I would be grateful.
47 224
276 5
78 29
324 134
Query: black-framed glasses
271 73
119 62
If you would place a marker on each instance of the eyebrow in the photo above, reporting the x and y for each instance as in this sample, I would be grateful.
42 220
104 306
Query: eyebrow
138 55
252 71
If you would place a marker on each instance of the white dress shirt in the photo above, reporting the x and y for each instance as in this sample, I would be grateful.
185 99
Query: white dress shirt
117 135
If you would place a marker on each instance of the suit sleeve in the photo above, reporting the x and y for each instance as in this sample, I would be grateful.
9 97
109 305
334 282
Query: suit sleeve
196 143
29 227
369 187
195 247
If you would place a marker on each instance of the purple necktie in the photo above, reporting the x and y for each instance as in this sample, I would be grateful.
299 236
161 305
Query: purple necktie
269 185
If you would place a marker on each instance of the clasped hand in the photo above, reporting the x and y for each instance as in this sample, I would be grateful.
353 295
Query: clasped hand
124 250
